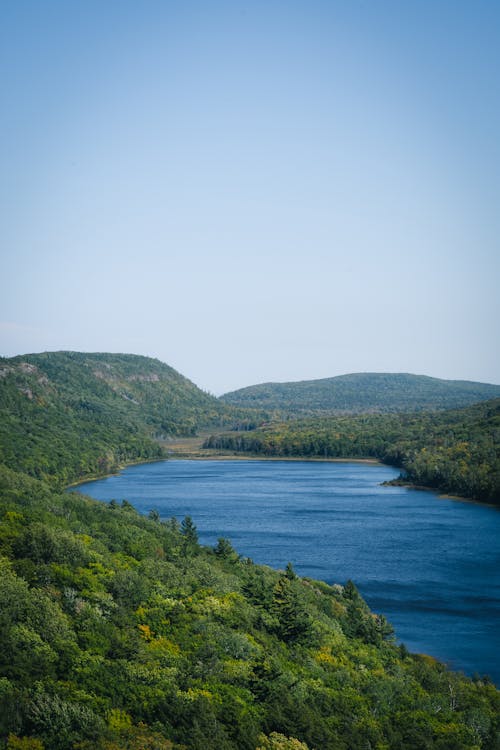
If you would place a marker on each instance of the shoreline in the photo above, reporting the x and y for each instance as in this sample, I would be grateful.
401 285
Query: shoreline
119 469
440 495
195 456
174 456
252 457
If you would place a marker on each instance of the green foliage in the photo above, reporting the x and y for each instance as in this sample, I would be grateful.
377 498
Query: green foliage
117 640
455 451
224 549
362 393
289 607
68 415
189 536
119 631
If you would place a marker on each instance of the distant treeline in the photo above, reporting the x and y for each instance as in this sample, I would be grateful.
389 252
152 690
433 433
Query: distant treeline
361 393
454 451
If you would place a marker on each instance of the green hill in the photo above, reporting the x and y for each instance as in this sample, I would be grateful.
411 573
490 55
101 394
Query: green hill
456 451
363 393
120 632
69 414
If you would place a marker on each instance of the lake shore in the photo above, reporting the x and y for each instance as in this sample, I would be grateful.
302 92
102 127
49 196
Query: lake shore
192 456
192 448
253 457
334 521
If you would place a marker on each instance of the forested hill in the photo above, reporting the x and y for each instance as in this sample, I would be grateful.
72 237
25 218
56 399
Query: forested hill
363 393
69 414
456 451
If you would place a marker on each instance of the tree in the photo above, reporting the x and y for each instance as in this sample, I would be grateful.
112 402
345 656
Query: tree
189 531
190 536
224 549
290 611
277 741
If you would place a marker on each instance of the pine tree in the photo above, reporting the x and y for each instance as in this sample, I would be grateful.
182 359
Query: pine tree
188 530
293 622
190 536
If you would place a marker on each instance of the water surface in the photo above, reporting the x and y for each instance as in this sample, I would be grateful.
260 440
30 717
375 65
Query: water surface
430 565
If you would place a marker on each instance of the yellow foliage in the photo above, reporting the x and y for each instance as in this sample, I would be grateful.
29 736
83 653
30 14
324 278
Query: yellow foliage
324 656
99 569
121 561
145 632
235 669
23 743
12 517
85 539
193 694
430 660
119 720
277 741
164 645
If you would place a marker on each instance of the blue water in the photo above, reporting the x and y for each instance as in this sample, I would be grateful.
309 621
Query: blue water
430 565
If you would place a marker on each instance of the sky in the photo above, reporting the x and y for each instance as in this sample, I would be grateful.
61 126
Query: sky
253 191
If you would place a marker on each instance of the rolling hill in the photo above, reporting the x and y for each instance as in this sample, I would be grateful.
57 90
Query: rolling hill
363 393
69 414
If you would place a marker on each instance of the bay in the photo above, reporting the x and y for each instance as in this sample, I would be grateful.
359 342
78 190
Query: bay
429 564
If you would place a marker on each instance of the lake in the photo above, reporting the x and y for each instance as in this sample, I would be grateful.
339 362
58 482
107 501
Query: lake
429 564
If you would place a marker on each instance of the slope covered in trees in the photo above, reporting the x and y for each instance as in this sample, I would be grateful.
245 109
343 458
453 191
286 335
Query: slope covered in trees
363 393
69 415
456 451
121 632
118 631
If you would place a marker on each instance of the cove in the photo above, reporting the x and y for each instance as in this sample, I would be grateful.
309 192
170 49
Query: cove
430 565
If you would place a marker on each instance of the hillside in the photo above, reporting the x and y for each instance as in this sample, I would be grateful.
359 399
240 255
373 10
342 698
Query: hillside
70 415
455 451
120 632
363 393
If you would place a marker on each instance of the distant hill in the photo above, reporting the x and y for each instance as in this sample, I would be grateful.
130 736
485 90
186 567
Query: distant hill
363 393
95 411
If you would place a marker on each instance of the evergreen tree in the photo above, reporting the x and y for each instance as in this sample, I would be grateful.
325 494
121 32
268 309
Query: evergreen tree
189 531
289 609
190 536
224 549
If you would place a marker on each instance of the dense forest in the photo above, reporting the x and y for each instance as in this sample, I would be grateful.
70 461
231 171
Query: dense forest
66 415
120 632
362 393
456 451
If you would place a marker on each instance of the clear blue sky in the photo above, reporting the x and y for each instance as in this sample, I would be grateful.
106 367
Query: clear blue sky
253 191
